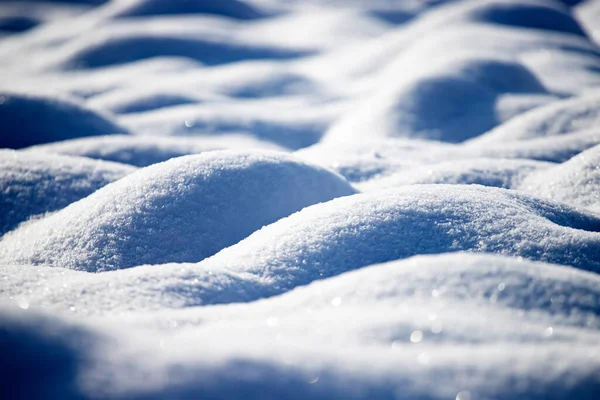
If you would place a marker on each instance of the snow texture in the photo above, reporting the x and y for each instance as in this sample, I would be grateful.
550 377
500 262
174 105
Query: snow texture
575 182
311 199
385 331
32 184
202 203
144 151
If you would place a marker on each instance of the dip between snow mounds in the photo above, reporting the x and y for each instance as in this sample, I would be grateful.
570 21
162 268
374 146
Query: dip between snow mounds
143 151
575 182
558 118
36 183
497 318
147 8
494 172
182 210
555 149
30 119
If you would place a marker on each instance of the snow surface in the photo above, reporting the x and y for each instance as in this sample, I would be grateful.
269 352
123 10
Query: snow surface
197 196
202 203
575 182
33 184
144 151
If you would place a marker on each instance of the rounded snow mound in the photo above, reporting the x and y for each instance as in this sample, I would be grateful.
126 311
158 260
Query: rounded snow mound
476 279
558 118
29 119
348 233
494 172
144 8
472 279
66 348
35 183
575 182
185 209
143 151
452 100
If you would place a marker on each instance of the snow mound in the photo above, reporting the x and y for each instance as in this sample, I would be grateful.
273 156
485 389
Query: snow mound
29 119
33 184
185 209
497 318
575 182
558 118
348 233
451 100
65 347
532 14
455 141
143 151
502 173
144 8
479 279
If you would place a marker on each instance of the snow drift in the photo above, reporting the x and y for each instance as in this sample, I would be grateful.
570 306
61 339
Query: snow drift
33 119
200 203
33 184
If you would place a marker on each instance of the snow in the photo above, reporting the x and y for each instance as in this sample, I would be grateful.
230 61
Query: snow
471 323
473 84
143 151
202 203
140 8
354 199
30 119
558 118
574 182
32 184
503 173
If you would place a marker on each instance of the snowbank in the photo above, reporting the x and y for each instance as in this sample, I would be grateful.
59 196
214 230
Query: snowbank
451 100
185 209
558 118
29 119
575 182
471 323
33 184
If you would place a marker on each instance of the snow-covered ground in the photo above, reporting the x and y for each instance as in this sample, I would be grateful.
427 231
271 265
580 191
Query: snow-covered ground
300 199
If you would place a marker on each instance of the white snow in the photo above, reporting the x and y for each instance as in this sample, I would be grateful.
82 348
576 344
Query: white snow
29 119
201 203
196 197
33 184
142 151
575 182
471 323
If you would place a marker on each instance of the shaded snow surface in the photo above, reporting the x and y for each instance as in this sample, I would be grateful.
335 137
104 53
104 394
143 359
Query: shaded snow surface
311 199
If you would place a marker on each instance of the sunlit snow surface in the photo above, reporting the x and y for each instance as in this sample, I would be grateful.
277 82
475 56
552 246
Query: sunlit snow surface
300 199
